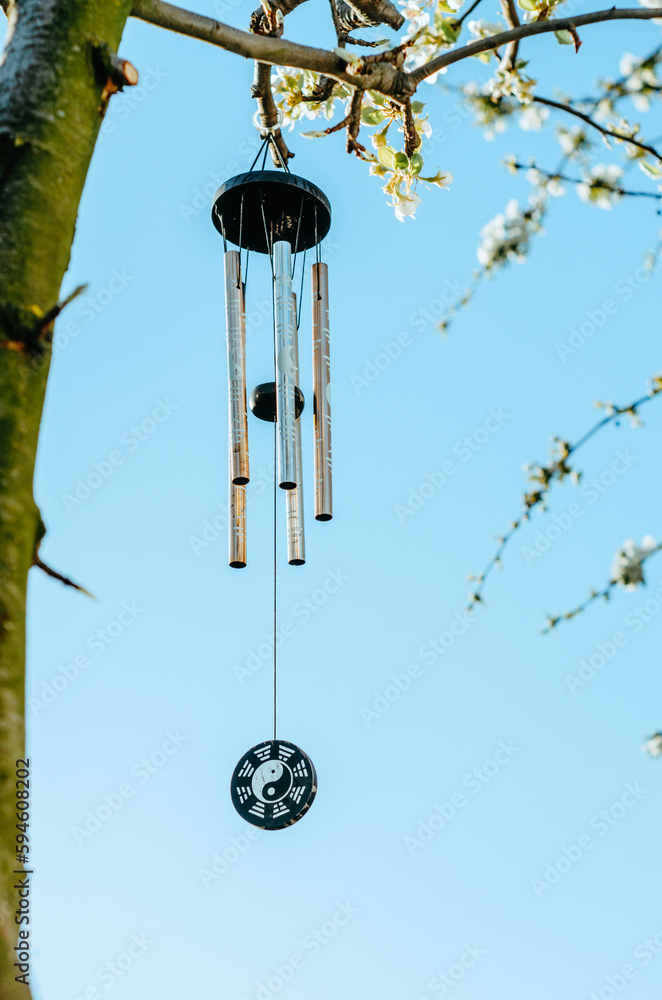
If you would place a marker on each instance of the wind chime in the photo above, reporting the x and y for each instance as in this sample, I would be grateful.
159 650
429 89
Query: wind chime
276 213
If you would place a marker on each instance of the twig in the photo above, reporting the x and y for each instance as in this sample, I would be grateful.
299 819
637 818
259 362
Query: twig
468 11
595 125
354 124
593 182
58 576
595 595
412 138
617 84
544 476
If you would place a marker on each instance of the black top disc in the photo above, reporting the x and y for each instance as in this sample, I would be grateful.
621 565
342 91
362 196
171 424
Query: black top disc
273 785
257 209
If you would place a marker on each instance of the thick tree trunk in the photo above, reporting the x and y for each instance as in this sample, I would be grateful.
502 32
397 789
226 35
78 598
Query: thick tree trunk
52 78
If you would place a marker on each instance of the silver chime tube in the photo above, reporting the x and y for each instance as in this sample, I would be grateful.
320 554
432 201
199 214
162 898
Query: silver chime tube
236 339
321 394
237 526
285 364
296 544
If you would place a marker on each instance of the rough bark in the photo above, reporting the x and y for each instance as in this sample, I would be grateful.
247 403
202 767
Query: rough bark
53 87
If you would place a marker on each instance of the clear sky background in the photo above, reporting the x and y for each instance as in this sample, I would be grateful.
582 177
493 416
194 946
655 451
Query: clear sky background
412 910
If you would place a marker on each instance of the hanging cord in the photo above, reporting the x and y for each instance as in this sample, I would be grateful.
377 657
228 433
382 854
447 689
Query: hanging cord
267 238
258 154
275 505
303 271
318 249
296 239
275 570
272 140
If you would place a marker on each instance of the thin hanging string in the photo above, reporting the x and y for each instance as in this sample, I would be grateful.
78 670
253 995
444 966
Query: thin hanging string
271 139
275 571
267 239
296 239
241 244
318 249
303 271
275 506
257 156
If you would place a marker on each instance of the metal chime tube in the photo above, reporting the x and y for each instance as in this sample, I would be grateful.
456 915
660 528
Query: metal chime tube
236 340
296 545
321 393
285 364
237 526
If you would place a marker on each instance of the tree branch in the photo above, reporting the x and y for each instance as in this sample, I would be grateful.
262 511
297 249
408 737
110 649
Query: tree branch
595 595
544 476
354 124
511 18
594 124
383 76
267 110
524 31
592 182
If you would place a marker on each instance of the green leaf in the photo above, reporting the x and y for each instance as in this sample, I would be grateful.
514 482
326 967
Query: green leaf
564 38
379 138
372 116
416 162
650 168
401 161
417 107
449 30
528 5
386 156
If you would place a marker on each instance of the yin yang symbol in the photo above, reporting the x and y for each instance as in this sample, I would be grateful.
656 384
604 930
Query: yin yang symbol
273 785
272 781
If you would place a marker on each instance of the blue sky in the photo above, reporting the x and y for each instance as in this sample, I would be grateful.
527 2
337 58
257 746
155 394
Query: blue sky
421 862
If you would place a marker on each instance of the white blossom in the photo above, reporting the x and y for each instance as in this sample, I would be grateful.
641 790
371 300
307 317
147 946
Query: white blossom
532 117
506 236
653 745
627 569
598 187
405 205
